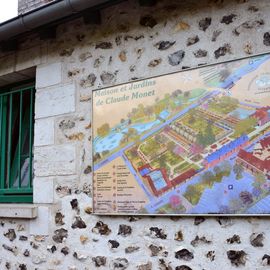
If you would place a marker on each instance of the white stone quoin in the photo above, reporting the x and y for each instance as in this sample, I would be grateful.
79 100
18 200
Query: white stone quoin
48 75
44 132
55 160
55 101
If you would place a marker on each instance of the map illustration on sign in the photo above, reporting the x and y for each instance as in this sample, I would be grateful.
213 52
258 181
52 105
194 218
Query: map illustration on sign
190 142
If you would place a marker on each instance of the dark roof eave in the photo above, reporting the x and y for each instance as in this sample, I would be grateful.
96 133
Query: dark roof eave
52 13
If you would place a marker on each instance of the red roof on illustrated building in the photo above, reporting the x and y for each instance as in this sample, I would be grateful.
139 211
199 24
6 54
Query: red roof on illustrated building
254 161
183 177
265 142
261 113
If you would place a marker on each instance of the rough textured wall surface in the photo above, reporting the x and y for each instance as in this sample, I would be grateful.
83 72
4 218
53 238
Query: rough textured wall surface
66 235
27 5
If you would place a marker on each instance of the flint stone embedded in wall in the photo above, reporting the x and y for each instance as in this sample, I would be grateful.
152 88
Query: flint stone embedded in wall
256 240
11 235
65 250
179 236
205 23
176 58
163 265
107 77
266 39
200 240
183 267
113 244
251 24
60 235
124 230
227 19
164 45
119 264
156 232
237 257
200 53
131 249
184 254
215 35
99 261
104 45
198 220
78 223
101 228
59 219
235 239
26 253
192 40
266 259
147 266
12 249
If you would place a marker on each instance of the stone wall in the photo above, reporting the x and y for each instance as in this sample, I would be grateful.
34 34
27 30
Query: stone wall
27 5
132 42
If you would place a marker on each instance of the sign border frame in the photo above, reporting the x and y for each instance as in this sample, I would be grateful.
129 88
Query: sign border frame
199 66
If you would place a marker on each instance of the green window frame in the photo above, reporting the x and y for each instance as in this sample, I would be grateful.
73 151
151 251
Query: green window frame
16 144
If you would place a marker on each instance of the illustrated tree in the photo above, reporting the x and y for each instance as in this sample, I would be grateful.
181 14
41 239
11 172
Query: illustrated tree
192 194
162 163
235 205
208 178
224 74
200 139
167 96
176 93
186 94
159 107
158 138
105 152
104 130
149 110
244 126
209 134
226 168
191 118
96 157
131 133
260 179
238 170
246 197
256 192
218 173
170 146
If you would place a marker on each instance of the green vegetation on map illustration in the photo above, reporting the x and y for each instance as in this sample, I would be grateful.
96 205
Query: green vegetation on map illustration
244 126
104 130
223 105
207 180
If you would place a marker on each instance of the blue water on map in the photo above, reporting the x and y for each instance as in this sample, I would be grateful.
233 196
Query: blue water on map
108 143
261 207
164 114
221 194
113 140
142 127
241 113
158 180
